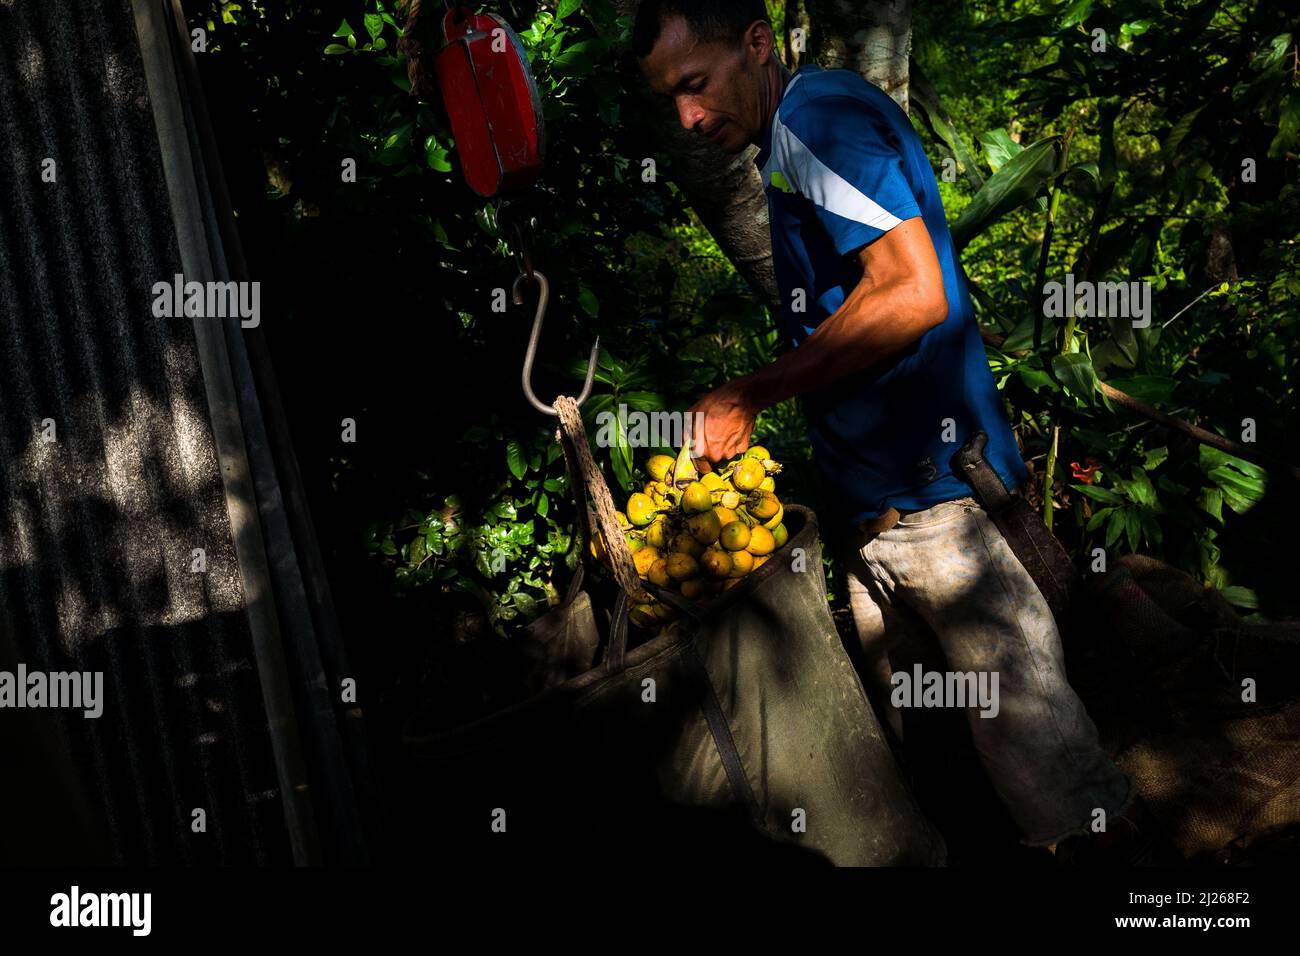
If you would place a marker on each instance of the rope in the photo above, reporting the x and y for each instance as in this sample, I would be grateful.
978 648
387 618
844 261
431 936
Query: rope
577 458
412 47
415 36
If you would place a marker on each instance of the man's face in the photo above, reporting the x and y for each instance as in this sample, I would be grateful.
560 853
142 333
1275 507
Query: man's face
716 87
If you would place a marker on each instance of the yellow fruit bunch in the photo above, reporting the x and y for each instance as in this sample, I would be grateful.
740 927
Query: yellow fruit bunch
697 531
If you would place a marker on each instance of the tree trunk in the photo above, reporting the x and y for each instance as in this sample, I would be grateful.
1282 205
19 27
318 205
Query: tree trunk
874 39
727 191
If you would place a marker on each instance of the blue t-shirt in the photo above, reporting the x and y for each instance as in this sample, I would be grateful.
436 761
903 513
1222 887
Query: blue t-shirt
842 166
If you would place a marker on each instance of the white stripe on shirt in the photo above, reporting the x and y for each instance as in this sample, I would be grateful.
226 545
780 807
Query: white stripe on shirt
821 184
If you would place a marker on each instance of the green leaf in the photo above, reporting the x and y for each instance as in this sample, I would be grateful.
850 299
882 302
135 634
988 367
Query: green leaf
566 7
344 30
620 456
590 304
1214 457
526 603
596 404
1132 529
1155 458
1097 518
515 459
1288 126
1035 378
435 155
1011 187
1212 503
1022 336
1241 597
334 49
1151 527
1236 501
933 111
543 504
999 147
1086 173
1075 12
399 136
577 60
1242 483
1272 52
1234 481
643 401
1140 489
374 25
1152 389
1177 133
1104 495
1114 527
1076 373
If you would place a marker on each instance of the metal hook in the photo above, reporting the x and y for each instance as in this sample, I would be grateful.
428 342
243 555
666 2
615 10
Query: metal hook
542 300
511 216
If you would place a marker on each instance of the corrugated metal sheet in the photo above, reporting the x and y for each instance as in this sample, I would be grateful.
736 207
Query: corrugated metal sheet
110 474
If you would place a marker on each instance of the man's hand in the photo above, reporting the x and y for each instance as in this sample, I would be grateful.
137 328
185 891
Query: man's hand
727 423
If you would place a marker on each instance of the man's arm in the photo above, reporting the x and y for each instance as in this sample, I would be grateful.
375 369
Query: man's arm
899 298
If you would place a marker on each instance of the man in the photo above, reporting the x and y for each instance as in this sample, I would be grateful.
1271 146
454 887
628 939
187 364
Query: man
891 370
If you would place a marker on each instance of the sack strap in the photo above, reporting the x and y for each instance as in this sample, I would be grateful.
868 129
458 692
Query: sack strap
719 728
722 738
575 585
614 654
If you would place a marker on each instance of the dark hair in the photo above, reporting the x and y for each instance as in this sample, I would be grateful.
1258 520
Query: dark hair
712 21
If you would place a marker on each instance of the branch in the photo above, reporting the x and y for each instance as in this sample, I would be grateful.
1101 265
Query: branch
1187 428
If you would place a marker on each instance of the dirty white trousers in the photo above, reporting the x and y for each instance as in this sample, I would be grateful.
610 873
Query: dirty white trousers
948 570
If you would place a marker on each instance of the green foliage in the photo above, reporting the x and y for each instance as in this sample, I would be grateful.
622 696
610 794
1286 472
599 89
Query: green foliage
626 261
1159 126
456 489
499 547
1019 175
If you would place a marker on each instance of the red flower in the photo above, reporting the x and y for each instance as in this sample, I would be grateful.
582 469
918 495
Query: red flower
1084 474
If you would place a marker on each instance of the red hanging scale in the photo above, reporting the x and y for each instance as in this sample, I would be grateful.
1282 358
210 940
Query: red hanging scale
496 117
491 100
